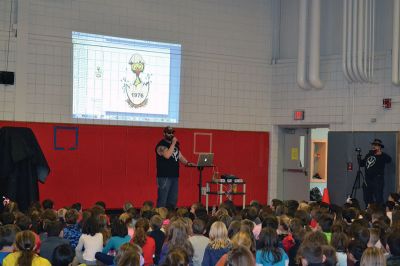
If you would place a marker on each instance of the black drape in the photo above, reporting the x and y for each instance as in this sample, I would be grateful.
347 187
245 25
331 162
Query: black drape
22 165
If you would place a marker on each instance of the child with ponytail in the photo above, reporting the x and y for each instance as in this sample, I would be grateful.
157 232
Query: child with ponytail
25 254
144 241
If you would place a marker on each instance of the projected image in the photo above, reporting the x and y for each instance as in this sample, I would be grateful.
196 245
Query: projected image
137 91
124 79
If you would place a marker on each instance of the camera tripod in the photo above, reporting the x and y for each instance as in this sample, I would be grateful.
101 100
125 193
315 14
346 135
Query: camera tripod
359 177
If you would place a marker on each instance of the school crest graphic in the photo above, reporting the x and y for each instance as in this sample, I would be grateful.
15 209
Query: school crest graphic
137 87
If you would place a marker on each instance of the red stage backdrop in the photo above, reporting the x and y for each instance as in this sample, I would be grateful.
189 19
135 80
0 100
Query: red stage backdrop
117 163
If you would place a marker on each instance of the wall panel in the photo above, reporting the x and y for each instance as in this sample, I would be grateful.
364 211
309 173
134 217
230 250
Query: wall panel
117 163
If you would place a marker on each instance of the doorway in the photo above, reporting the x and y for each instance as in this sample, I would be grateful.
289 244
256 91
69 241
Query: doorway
319 159
302 158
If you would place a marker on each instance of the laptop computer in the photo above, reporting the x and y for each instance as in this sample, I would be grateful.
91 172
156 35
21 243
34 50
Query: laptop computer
205 159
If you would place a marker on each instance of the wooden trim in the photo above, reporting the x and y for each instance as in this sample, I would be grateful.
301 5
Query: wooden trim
312 180
324 175
397 161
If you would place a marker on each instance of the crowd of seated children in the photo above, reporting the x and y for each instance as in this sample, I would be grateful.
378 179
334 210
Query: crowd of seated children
284 233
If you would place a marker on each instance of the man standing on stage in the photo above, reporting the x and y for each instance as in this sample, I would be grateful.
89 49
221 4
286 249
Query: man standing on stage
374 163
168 156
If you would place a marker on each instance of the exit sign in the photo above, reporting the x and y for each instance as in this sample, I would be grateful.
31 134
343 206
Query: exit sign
298 115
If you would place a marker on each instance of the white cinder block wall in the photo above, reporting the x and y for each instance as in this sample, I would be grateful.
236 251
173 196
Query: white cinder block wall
227 82
225 50
7 93
339 105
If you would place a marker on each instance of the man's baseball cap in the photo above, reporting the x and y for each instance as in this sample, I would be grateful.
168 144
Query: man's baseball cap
169 130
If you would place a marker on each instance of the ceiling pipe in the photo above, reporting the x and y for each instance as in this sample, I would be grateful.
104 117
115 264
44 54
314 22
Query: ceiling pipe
355 41
395 44
302 47
372 39
349 40
315 45
360 43
366 43
344 40
276 29
358 40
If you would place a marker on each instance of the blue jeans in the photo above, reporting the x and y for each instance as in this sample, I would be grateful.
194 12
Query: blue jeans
167 193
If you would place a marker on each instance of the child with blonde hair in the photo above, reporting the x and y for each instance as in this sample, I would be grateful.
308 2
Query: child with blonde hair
373 256
219 244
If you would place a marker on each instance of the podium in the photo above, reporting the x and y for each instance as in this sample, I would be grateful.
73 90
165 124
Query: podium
226 187
200 169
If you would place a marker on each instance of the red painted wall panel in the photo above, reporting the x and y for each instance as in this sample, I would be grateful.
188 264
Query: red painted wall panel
117 163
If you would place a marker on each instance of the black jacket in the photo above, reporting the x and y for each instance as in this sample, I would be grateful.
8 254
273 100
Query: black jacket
22 164
375 165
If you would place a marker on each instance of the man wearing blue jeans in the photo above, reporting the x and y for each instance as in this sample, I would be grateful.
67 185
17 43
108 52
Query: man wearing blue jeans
168 156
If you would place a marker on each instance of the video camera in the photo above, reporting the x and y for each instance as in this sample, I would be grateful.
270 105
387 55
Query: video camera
358 150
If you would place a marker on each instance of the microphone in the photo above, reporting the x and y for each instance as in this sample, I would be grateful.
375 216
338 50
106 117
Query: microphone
177 144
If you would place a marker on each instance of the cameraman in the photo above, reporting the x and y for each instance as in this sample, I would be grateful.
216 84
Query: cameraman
374 163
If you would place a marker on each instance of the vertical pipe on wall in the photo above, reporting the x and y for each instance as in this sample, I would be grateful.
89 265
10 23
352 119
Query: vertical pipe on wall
355 41
358 40
395 43
349 39
369 38
276 29
366 45
302 46
360 43
372 39
315 44
344 42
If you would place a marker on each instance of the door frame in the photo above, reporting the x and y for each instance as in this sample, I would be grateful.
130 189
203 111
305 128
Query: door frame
280 154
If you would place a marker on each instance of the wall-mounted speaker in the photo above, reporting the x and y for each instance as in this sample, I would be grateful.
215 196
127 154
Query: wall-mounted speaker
7 77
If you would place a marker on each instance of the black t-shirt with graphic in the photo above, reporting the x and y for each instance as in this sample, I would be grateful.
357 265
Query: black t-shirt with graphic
375 164
167 167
